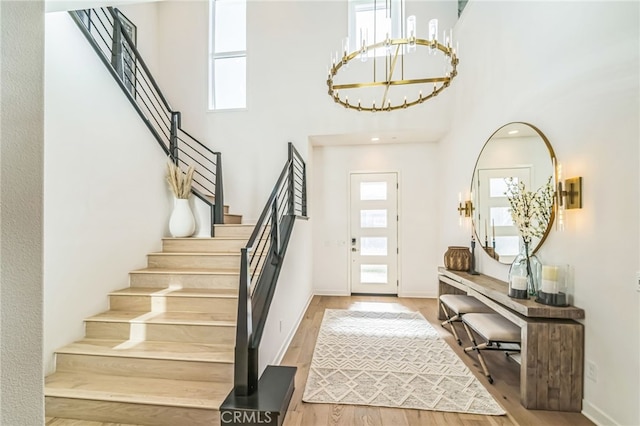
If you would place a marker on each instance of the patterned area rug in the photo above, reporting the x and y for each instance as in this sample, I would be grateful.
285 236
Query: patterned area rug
391 359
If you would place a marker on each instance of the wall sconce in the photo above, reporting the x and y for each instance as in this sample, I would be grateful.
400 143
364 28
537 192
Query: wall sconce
570 194
464 209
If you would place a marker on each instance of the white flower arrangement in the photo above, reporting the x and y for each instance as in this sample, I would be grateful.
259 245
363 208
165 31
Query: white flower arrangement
179 182
530 210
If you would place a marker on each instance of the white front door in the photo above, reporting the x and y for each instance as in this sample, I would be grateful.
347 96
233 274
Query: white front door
374 233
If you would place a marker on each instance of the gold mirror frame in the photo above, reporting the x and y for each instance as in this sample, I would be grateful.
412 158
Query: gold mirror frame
533 161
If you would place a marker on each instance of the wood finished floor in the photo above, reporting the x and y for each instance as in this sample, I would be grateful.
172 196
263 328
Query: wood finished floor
505 388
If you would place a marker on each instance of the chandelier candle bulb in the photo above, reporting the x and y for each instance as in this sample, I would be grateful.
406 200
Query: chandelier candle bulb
411 26
411 32
433 30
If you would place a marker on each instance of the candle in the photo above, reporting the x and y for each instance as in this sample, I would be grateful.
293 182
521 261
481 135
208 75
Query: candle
493 228
550 279
550 273
518 282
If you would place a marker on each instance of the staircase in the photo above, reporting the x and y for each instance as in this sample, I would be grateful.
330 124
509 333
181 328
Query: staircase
176 348
163 353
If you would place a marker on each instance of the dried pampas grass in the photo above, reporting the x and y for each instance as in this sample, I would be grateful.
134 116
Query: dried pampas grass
179 182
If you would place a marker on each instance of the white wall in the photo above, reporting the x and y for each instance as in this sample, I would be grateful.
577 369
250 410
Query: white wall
106 199
417 167
291 297
571 69
21 212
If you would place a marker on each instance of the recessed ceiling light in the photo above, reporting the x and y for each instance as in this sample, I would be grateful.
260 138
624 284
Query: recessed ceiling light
375 139
513 132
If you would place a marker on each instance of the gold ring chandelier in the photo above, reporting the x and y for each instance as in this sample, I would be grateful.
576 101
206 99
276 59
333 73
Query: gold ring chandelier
397 51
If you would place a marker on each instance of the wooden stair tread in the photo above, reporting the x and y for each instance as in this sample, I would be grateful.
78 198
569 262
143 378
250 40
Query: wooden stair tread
189 253
137 390
58 421
183 351
177 292
194 271
205 238
180 318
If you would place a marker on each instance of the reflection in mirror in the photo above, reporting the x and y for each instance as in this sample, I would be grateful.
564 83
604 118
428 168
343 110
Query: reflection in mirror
519 151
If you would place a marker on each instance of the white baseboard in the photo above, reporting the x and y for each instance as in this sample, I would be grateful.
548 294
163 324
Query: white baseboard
330 293
421 295
596 415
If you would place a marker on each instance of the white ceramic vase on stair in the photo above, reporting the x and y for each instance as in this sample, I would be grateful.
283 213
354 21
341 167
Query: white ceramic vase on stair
181 223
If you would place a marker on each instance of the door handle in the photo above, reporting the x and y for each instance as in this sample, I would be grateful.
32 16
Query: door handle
354 249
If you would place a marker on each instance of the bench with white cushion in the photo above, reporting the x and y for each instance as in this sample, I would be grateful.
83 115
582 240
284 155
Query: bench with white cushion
455 306
498 332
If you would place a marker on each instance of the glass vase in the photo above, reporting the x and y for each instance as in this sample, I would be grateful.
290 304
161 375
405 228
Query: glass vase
524 274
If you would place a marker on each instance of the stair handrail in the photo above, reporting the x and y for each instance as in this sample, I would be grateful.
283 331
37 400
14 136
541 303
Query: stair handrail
261 262
105 29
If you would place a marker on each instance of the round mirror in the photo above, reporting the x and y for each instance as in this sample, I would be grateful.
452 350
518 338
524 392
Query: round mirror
518 151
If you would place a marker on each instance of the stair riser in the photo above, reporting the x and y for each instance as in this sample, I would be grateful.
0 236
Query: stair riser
232 219
226 262
120 412
224 335
173 304
142 367
205 281
233 231
203 245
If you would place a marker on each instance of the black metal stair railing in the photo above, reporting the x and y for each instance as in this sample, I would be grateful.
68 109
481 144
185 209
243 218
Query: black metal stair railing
261 262
111 35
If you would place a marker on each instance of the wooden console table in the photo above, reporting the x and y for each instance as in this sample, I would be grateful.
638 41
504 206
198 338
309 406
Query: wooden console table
552 357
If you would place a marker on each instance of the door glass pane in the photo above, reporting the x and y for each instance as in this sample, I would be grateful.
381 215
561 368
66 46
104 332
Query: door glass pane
508 246
500 216
498 186
373 274
373 218
373 246
373 191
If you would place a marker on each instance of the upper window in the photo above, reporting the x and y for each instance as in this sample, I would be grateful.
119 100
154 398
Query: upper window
227 54
374 20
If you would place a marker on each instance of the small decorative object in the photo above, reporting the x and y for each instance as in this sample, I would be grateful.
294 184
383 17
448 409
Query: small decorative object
524 275
531 213
457 258
553 290
472 265
181 223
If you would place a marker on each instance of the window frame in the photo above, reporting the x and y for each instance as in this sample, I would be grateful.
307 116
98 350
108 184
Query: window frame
397 19
213 56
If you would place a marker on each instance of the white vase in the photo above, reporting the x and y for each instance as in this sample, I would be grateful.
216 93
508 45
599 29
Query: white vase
181 223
